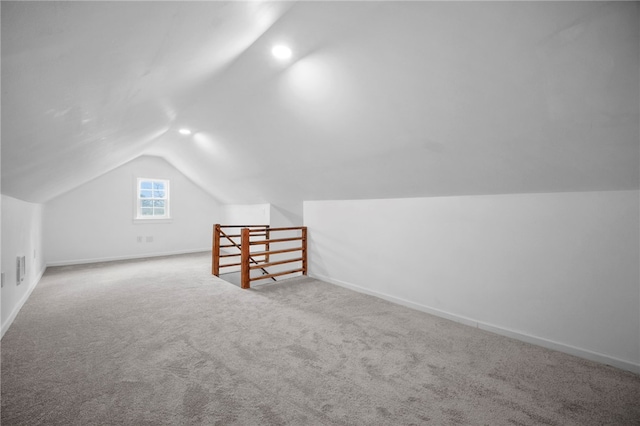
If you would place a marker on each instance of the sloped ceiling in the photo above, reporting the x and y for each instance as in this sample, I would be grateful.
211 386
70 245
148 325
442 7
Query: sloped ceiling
380 99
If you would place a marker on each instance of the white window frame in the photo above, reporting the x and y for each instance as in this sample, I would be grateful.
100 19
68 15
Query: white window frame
139 218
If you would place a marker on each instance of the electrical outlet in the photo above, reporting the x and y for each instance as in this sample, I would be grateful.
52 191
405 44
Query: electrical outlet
2 280
20 269
139 239
149 239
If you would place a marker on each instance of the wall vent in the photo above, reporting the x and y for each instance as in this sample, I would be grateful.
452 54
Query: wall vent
20 269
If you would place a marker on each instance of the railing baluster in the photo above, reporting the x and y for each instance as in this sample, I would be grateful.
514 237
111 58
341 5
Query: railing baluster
215 251
304 250
266 244
244 259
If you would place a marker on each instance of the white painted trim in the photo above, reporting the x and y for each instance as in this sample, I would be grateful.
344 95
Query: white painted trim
139 221
128 257
539 341
21 303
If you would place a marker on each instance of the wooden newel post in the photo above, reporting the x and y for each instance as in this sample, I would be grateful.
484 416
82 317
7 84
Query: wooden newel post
304 250
215 251
244 258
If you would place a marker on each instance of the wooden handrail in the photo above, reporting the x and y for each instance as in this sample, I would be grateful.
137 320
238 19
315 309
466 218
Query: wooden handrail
262 277
291 228
234 244
248 262
250 258
260 253
238 254
276 240
239 235
244 226
280 262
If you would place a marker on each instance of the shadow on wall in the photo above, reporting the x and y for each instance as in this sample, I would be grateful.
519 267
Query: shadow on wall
315 260
281 216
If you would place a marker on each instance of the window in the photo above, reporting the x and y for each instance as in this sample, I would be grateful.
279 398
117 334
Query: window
152 199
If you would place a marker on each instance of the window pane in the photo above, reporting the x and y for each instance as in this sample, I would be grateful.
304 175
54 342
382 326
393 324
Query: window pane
153 196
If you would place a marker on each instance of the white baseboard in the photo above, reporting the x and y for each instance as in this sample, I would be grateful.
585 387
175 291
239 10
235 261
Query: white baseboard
127 257
549 344
21 303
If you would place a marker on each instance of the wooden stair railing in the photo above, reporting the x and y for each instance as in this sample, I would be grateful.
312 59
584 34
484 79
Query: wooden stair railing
218 232
248 261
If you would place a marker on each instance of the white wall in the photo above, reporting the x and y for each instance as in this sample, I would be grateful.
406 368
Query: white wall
560 270
284 215
94 222
280 215
21 236
246 214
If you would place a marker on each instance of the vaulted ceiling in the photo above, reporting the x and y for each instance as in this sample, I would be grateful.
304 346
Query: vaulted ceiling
380 99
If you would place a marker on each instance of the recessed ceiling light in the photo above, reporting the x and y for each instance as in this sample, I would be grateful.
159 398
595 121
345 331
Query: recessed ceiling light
281 52
185 131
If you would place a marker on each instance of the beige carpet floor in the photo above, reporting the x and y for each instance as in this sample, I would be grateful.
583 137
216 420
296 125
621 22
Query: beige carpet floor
162 342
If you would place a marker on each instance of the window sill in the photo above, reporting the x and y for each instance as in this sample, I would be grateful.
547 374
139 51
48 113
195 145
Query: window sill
137 221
